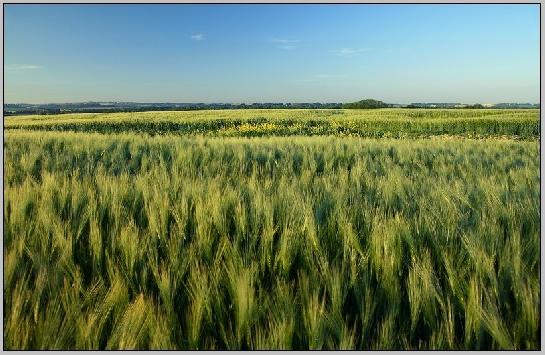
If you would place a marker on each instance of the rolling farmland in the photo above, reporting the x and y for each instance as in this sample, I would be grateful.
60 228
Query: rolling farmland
273 229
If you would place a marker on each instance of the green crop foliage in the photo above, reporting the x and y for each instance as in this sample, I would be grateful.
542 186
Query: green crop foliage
129 234
383 123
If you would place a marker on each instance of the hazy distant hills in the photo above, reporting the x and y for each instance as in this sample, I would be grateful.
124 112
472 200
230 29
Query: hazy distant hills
78 107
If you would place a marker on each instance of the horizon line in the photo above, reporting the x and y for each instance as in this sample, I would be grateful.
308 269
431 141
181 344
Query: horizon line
264 102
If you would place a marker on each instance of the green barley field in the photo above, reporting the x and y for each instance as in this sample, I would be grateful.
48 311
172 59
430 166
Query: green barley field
273 229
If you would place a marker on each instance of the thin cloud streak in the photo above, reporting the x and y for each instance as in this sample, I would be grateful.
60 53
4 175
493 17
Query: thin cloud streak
285 41
197 37
286 44
16 67
347 52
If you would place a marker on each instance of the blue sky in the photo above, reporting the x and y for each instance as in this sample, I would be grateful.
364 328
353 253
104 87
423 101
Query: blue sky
271 53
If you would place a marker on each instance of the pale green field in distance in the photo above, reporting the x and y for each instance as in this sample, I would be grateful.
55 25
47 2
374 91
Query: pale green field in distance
395 123
273 229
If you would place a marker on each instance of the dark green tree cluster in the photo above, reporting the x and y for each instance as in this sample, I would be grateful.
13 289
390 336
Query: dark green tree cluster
366 104
474 106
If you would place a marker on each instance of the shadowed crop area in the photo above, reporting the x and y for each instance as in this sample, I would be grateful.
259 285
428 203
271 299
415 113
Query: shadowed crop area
163 236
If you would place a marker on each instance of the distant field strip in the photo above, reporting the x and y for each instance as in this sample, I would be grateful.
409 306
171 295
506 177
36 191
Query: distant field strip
388 123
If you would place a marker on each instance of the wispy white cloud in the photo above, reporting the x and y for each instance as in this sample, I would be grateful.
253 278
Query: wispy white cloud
15 67
285 41
197 37
287 44
347 52
329 76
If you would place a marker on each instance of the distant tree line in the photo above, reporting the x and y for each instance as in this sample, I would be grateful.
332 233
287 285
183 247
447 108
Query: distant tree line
366 104
45 109
99 107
